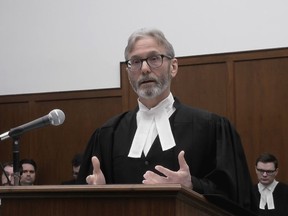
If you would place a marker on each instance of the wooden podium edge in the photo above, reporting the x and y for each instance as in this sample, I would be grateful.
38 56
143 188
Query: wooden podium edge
185 197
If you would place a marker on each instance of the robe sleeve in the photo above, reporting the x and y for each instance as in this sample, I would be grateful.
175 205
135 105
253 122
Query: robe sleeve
100 145
86 167
230 177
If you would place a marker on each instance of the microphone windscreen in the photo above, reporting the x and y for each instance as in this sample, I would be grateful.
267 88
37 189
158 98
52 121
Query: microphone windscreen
56 117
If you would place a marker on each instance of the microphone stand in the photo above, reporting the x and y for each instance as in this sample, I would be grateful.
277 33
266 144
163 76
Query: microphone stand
16 162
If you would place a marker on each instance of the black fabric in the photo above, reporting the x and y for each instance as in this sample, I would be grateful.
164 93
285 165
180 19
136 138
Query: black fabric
229 206
280 196
212 148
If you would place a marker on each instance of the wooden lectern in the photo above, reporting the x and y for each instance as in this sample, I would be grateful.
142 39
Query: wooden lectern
105 200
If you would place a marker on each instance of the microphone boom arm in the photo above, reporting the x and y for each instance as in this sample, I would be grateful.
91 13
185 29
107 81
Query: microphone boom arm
16 132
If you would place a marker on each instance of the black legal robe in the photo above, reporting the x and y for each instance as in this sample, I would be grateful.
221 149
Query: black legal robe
280 196
213 151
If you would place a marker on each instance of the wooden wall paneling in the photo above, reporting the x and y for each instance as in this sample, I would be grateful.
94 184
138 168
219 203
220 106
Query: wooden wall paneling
203 86
250 88
53 147
129 96
83 116
261 108
13 115
231 94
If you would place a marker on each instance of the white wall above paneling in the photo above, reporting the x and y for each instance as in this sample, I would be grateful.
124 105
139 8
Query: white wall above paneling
65 45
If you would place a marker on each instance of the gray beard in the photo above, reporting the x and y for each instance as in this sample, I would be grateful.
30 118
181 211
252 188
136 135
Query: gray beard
150 93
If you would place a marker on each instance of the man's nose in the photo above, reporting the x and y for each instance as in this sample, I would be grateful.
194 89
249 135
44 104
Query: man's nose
145 67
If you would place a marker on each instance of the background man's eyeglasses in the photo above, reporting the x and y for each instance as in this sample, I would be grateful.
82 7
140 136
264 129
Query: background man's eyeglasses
154 61
268 172
28 171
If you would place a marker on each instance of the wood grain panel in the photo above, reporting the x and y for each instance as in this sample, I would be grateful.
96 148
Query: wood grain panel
108 200
83 116
53 147
203 86
13 115
261 108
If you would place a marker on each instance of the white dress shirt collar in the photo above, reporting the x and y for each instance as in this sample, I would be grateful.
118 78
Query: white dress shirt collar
266 193
153 122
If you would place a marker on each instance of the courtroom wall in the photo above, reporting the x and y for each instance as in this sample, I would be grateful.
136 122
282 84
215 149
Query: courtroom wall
250 88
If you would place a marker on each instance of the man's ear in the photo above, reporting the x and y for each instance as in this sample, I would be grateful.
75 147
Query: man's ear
276 172
174 67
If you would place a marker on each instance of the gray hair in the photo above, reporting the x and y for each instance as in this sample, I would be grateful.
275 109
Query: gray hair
154 33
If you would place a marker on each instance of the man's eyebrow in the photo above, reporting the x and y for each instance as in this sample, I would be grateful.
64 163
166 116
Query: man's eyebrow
148 54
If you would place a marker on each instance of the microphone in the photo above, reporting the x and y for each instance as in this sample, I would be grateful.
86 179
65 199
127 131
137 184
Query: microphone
55 117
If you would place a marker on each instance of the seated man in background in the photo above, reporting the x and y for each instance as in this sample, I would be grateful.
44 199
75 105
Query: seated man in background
272 195
7 177
28 170
76 162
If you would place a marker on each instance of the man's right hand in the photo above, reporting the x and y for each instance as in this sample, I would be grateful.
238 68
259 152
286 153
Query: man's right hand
97 178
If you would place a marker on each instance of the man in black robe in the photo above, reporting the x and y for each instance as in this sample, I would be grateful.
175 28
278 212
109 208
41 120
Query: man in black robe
272 195
164 141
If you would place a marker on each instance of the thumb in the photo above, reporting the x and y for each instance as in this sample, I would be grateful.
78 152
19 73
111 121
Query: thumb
182 162
96 165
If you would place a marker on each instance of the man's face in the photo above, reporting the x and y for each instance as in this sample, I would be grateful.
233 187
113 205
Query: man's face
266 172
28 175
149 82
75 170
9 172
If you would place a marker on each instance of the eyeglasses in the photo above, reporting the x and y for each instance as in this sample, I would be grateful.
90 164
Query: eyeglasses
268 172
29 171
154 61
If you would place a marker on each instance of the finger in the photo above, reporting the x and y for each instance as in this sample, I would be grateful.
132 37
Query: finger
90 179
166 172
152 178
147 179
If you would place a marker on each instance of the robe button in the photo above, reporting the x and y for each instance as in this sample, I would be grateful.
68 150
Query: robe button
146 162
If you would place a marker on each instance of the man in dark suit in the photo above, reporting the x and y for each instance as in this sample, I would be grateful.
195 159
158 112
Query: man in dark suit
28 171
162 140
76 163
272 195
